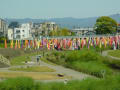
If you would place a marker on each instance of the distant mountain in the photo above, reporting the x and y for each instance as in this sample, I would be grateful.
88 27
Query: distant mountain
68 22
116 17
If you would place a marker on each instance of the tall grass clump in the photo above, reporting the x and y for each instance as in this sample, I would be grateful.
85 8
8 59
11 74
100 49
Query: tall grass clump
19 83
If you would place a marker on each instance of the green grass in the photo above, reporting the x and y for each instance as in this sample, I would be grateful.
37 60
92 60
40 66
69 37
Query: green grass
20 60
34 69
44 59
20 83
115 53
23 83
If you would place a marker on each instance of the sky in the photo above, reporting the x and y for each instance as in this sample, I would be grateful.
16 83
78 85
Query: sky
57 8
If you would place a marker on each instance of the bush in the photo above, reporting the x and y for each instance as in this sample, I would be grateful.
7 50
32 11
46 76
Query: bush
83 55
90 56
73 56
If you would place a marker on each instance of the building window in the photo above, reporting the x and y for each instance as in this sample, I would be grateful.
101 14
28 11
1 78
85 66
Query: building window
18 31
23 30
18 36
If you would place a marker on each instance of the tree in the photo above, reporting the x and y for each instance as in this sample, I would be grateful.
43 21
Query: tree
13 25
65 32
105 25
61 32
2 38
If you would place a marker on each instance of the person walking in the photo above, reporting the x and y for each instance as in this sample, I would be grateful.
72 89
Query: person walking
38 59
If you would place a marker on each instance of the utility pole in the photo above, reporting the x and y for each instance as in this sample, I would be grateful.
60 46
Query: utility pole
117 28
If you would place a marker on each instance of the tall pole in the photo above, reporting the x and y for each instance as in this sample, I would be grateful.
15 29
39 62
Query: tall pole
117 28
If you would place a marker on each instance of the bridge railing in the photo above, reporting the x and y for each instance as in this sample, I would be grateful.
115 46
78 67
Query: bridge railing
81 36
69 37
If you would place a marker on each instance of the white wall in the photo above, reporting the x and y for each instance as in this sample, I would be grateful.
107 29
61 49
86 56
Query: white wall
10 34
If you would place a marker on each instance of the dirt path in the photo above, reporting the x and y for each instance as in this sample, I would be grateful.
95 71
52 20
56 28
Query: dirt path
60 69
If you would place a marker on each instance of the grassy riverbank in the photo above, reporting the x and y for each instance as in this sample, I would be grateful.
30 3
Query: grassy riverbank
90 62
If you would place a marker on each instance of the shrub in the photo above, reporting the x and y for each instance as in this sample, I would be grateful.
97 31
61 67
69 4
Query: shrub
83 55
90 56
72 56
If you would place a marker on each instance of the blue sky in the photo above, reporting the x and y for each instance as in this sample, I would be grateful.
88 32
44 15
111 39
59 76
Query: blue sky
57 8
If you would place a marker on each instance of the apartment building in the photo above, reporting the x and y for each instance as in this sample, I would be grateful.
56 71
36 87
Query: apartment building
23 32
44 28
83 31
3 28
